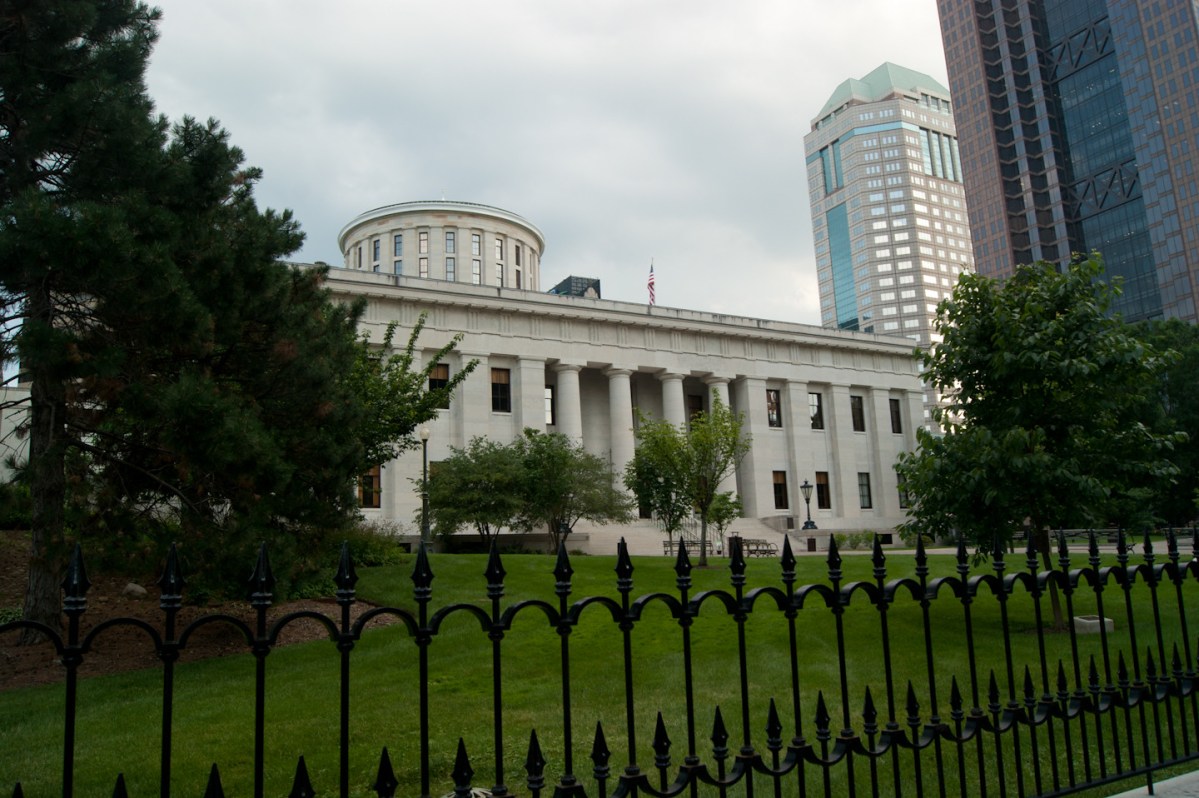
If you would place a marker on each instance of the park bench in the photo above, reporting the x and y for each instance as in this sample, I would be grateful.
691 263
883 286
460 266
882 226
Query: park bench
756 547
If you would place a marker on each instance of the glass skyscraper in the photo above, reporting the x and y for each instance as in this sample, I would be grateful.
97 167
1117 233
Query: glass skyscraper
1078 122
888 212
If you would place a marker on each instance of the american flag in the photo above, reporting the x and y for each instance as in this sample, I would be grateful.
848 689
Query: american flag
650 283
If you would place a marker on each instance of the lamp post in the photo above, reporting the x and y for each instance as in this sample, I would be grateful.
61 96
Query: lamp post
424 486
806 490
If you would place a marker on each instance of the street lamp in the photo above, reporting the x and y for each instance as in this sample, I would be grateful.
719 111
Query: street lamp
806 490
424 486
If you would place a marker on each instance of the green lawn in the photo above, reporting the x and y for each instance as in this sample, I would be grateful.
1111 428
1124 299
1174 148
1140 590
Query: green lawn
120 715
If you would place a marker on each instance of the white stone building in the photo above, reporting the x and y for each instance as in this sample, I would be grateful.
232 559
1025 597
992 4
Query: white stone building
831 407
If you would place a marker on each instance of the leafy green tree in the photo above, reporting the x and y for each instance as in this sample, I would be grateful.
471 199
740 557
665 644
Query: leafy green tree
563 483
480 486
655 476
697 457
1172 404
1041 419
725 509
396 395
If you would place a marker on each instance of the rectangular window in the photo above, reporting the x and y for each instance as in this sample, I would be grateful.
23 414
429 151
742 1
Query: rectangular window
450 242
816 410
781 502
423 265
774 413
399 266
516 253
501 391
439 378
824 499
499 274
864 490
369 489
695 405
518 282
398 245
476 244
904 501
858 412
451 269
422 242
476 271
550 418
499 248
376 249
896 417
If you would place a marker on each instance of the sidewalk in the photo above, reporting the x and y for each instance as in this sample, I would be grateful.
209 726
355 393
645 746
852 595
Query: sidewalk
1184 786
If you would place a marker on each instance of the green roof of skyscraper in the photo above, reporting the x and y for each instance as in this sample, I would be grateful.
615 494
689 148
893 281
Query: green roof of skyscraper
881 82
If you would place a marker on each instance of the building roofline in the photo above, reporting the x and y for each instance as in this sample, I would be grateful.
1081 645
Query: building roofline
418 206
880 83
436 292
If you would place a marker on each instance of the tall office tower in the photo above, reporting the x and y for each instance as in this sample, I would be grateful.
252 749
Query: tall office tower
888 210
1078 122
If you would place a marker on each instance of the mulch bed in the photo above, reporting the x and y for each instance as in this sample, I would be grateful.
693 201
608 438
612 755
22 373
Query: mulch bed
124 648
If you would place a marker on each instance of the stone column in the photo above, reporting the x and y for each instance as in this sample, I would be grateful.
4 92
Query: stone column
529 394
843 472
756 484
620 416
474 399
720 387
674 407
570 406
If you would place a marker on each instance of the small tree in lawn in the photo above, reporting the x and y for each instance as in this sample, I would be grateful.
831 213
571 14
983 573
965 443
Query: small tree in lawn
480 486
654 475
563 483
396 394
700 454
726 508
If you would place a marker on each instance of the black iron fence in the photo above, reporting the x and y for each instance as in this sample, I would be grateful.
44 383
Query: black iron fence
1079 711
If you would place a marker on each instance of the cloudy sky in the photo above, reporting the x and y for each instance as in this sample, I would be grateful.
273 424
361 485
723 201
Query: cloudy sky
624 129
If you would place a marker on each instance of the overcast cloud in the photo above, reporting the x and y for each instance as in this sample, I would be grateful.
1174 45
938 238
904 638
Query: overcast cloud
624 129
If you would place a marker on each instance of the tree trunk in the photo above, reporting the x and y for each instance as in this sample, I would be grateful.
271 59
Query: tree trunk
703 539
47 484
1055 600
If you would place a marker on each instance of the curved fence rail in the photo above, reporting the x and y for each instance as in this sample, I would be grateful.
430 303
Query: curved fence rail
1078 714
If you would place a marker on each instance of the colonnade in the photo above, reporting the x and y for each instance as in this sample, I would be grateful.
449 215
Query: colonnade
595 405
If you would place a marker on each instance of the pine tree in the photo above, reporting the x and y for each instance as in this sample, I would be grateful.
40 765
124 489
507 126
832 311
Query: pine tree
76 132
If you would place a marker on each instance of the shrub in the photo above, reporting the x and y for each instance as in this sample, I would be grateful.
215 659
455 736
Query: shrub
16 506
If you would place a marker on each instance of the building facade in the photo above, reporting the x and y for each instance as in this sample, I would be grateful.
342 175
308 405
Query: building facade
831 407
1078 122
889 216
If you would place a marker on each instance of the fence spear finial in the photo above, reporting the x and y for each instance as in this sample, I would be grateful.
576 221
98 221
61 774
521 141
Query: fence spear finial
262 581
301 786
535 764
385 779
346 576
214 789
171 583
75 584
463 772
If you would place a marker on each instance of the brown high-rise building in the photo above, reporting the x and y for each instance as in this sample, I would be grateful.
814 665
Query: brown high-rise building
1078 122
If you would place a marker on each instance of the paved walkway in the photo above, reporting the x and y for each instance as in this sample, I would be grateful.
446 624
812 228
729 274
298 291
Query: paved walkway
1184 786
